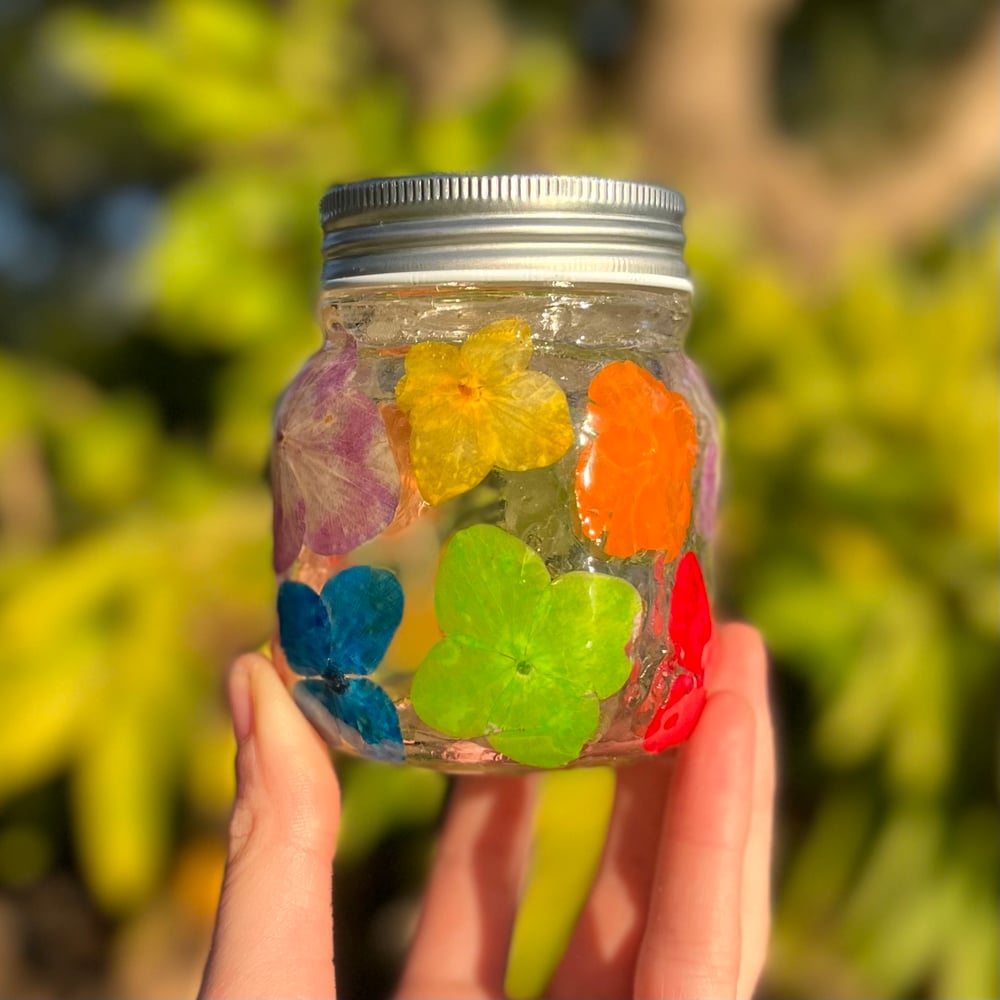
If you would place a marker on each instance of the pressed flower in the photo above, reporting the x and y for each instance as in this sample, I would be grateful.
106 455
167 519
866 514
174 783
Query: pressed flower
633 475
475 406
709 478
335 639
525 660
334 479
708 490
689 628
411 504
675 719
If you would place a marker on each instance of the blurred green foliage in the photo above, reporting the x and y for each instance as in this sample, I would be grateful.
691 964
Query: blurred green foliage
861 536
859 527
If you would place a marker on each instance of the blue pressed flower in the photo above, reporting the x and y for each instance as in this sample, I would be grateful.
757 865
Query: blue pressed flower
335 639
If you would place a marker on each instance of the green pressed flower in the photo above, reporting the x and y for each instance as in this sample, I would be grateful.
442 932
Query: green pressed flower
525 660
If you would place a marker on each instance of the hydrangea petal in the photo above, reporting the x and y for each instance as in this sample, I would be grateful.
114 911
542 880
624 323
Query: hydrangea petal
633 479
583 627
449 453
527 727
411 503
531 422
430 369
365 605
708 486
334 478
690 622
498 349
457 686
689 626
288 526
708 490
488 587
346 474
362 716
304 628
674 721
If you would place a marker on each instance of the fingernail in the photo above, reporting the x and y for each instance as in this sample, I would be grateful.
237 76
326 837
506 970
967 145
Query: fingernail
241 702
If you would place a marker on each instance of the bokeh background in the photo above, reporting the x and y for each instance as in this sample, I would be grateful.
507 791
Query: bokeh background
160 167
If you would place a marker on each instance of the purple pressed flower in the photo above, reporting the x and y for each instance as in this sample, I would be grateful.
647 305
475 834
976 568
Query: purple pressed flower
708 487
709 490
334 479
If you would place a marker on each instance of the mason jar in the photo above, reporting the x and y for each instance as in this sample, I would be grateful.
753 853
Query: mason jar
494 483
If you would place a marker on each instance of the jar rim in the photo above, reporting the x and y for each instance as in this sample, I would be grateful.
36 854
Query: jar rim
543 228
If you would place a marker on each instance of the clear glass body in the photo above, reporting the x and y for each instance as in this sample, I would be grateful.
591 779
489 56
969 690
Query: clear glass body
493 511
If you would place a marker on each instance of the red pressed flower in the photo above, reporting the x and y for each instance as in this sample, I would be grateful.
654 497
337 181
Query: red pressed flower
689 627
690 623
674 721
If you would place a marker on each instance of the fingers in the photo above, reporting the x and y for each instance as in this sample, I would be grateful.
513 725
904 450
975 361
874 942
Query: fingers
274 929
740 665
460 948
692 946
600 959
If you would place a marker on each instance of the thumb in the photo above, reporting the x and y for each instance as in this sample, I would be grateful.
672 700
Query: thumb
274 927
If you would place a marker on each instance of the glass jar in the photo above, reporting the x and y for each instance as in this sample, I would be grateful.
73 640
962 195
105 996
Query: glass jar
494 483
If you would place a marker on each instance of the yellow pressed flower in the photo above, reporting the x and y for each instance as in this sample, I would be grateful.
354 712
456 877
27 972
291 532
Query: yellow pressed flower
475 407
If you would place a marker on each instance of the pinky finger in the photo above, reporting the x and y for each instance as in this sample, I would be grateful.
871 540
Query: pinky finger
741 666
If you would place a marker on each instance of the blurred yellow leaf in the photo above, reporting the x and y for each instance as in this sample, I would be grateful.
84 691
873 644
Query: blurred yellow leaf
107 456
571 819
123 791
379 798
43 709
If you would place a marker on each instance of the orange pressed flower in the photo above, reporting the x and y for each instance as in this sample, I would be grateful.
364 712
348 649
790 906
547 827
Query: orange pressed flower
411 505
633 476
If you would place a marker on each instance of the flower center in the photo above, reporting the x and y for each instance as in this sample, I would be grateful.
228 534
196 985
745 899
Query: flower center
523 667
337 682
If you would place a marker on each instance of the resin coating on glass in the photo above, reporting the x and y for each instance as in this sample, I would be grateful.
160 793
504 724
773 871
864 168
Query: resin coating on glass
492 511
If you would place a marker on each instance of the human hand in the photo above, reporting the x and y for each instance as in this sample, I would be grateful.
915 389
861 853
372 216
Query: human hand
680 906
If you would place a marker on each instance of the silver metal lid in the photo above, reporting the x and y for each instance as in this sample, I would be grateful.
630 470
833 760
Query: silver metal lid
534 228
